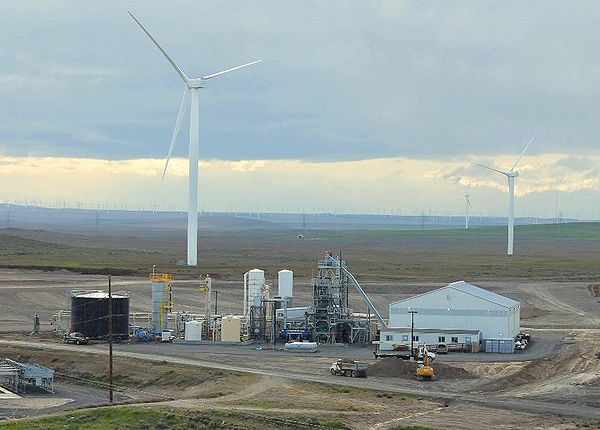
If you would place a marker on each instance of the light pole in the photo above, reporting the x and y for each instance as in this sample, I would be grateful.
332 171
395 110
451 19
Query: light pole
412 332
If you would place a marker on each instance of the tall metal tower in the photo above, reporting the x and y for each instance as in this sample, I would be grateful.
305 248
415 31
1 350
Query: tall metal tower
331 316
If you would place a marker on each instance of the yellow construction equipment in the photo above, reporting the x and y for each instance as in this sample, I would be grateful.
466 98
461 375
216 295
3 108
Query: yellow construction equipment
425 371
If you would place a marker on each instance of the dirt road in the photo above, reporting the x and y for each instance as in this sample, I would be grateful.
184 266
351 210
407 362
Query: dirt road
313 371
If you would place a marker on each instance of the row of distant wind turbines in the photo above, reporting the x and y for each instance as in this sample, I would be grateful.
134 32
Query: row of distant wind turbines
192 91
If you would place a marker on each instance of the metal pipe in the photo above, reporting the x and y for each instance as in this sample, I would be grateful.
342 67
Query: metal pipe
245 295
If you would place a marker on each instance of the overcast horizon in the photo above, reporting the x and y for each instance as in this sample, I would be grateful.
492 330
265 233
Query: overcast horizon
356 107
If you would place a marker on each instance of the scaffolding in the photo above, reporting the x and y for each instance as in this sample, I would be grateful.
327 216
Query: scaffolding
331 316
331 319
18 376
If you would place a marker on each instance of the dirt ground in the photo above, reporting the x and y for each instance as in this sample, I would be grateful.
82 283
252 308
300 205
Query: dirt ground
559 299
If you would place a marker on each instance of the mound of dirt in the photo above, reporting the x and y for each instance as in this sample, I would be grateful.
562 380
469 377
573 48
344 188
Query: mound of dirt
393 367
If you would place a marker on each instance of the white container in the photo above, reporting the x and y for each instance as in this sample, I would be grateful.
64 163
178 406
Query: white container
301 346
256 283
166 336
193 330
285 283
231 327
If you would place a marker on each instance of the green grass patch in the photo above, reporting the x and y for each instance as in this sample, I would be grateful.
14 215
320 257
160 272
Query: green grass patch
334 424
144 418
413 428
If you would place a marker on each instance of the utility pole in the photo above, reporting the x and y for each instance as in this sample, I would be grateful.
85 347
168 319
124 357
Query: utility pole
412 332
110 343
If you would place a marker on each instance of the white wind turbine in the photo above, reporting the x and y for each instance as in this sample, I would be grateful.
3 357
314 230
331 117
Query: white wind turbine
192 86
511 175
467 207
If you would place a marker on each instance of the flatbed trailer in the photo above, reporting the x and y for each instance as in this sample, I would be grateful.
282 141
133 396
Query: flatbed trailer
404 355
397 351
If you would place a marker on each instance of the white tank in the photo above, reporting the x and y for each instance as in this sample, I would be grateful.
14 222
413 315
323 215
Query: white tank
302 346
285 283
193 330
256 282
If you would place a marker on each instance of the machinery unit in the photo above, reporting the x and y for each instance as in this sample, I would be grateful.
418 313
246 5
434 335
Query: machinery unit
89 314
161 301
193 330
424 371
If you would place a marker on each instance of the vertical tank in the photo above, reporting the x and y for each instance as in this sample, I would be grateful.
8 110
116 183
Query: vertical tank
161 301
89 314
285 283
256 283
231 327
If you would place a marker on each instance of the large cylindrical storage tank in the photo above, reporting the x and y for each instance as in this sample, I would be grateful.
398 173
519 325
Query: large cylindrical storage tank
285 283
193 330
89 314
256 282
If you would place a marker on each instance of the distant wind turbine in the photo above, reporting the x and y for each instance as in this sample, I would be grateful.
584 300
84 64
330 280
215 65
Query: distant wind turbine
511 175
467 207
192 86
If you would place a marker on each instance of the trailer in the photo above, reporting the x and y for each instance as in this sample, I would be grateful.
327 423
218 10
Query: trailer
397 351
355 369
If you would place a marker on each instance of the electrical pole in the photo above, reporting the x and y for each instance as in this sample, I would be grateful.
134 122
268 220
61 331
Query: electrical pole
110 343
412 332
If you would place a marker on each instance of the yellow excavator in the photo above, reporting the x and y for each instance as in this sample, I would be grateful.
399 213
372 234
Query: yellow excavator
425 371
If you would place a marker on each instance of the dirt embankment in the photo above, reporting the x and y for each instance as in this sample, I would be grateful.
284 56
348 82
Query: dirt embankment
575 362
393 367
168 378
594 290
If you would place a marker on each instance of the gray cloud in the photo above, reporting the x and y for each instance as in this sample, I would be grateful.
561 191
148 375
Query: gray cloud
340 80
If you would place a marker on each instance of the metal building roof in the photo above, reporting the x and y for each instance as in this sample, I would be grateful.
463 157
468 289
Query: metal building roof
472 290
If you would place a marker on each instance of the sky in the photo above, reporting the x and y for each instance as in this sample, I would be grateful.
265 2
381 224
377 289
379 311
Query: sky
356 107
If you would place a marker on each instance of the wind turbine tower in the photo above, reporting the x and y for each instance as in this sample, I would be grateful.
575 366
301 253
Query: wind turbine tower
510 175
467 207
191 91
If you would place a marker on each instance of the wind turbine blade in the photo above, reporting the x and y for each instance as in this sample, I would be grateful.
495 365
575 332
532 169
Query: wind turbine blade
522 153
230 70
491 168
469 202
176 131
175 66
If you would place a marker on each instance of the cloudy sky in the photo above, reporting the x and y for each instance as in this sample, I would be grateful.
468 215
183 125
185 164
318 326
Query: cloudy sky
388 102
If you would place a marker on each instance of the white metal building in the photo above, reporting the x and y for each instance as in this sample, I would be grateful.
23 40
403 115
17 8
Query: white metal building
457 313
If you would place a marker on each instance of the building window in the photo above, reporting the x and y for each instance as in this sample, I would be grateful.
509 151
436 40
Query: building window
389 337
415 338
454 339
442 339
405 337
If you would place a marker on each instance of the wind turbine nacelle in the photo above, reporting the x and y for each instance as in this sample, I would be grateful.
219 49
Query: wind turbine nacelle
195 83
513 174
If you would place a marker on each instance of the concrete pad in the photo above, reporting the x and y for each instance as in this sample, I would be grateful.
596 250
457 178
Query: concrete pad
6 394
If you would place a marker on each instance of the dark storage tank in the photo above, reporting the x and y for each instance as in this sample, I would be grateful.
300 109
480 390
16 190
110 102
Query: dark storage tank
89 314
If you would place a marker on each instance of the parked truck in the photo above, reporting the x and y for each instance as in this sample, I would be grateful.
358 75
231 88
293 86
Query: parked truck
356 369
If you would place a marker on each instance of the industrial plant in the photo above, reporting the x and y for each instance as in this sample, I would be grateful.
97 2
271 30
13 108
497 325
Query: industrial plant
459 316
